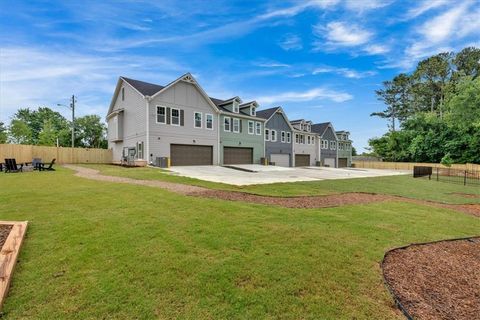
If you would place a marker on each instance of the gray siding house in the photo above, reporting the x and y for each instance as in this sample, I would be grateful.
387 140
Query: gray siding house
344 149
327 144
278 137
178 121
305 143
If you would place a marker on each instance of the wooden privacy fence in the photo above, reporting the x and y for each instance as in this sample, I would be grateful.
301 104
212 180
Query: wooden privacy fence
410 165
25 153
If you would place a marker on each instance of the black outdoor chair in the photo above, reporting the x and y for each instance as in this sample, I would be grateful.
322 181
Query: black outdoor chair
36 162
43 167
11 166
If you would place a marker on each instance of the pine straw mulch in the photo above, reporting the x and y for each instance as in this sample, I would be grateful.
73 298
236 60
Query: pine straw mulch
4 232
439 280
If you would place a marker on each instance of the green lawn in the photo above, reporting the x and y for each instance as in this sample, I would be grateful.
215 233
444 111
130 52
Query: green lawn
404 186
98 250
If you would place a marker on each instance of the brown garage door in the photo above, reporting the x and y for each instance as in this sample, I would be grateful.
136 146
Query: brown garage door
234 155
190 155
342 162
302 160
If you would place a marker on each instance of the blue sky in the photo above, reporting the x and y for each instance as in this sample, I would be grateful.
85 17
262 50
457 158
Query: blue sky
320 60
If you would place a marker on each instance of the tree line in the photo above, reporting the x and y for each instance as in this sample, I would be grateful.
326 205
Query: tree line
45 127
433 113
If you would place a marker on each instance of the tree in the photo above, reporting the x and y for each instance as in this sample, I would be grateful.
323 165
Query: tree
354 151
48 135
467 62
3 133
20 132
90 132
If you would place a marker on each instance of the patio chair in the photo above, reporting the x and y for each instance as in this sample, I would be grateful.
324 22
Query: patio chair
36 162
11 166
42 166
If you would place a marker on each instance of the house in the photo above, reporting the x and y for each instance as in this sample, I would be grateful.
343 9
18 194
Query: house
327 144
305 141
278 137
344 149
181 123
241 132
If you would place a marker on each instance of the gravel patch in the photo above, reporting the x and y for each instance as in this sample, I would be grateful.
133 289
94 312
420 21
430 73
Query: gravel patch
439 280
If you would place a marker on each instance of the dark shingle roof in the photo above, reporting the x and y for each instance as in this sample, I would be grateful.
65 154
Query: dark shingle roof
298 120
216 101
320 127
145 88
267 113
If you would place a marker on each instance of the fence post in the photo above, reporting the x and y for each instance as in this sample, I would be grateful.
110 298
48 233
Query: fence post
465 178
437 173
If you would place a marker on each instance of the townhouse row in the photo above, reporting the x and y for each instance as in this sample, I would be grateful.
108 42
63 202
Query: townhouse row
179 124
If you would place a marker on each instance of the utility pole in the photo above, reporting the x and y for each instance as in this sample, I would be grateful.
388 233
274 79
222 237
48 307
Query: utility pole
72 106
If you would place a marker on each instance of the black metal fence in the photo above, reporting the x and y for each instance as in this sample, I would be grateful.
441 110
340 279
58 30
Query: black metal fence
465 177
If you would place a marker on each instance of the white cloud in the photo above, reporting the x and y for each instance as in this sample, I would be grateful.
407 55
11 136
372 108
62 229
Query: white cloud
271 64
366 5
347 73
442 26
374 49
291 42
341 34
424 7
302 96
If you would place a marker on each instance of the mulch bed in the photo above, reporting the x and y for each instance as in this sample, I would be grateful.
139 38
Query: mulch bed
296 202
467 195
439 280
4 232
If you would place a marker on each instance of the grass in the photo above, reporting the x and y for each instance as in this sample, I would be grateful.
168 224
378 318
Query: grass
98 250
404 185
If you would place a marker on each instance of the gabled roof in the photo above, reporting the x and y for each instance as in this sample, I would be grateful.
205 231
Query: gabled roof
248 104
267 113
228 101
320 128
145 88
298 120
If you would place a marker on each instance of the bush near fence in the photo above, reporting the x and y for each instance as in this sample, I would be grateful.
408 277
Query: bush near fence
25 153
410 165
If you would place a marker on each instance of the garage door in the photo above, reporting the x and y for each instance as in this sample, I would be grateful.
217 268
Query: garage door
190 155
281 160
329 162
342 162
234 155
302 160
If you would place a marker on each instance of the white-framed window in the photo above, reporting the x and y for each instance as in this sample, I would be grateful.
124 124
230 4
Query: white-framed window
308 139
251 127
258 128
308 128
297 138
227 124
289 137
253 111
347 146
333 145
209 121
197 120
236 125
267 135
140 150
273 135
175 117
282 136
324 144
236 108
302 139
161 114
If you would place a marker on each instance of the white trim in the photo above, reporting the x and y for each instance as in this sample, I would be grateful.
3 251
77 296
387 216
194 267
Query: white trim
253 127
267 134
333 145
237 109
273 134
233 125
147 129
195 120
156 114
171 117
283 136
206 121
258 125
289 137
229 124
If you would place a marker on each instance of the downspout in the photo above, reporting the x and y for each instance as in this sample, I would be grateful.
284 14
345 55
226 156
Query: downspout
218 138
147 103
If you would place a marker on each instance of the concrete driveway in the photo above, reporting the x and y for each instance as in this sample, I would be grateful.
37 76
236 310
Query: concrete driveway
258 174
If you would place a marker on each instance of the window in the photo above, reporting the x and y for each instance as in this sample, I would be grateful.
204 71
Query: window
267 135
161 114
236 125
258 127
236 109
175 116
253 111
197 120
227 124
274 136
140 150
123 94
308 139
308 127
297 138
340 146
324 144
289 138
209 121
347 146
333 145
282 136
302 139
251 128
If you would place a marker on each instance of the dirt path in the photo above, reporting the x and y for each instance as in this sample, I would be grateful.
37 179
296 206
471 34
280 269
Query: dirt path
333 200
439 280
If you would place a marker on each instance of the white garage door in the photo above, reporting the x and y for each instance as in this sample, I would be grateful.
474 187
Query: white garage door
329 162
282 160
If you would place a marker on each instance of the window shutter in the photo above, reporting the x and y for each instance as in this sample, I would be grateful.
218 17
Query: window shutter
240 120
182 118
168 115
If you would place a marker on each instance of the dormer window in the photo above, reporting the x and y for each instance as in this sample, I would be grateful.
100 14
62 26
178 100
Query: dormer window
253 111
236 108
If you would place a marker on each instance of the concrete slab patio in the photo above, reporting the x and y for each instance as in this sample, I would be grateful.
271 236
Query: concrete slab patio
273 174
